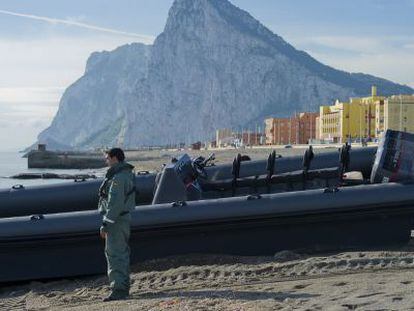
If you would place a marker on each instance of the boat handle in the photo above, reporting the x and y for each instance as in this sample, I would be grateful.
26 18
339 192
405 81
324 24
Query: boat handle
17 187
254 197
331 190
37 217
179 204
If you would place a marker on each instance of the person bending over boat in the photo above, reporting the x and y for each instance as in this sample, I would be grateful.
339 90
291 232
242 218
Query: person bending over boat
116 201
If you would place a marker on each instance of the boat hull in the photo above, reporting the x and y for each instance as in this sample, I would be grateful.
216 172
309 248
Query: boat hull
63 245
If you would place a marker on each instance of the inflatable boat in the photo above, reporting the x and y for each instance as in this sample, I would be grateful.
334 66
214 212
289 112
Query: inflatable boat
238 178
182 219
67 244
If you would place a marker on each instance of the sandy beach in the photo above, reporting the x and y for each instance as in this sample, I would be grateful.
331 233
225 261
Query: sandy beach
355 280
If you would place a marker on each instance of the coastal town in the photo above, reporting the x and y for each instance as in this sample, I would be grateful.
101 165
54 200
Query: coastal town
359 120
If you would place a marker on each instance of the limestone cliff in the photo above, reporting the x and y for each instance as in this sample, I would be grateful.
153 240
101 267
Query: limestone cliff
213 66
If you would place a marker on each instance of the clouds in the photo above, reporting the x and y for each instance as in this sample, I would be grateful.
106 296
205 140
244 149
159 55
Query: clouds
396 66
21 122
43 95
389 57
355 44
51 60
25 113
362 44
409 46
34 74
72 22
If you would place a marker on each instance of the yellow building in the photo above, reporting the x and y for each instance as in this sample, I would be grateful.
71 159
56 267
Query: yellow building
317 127
371 114
379 118
352 121
399 113
330 121
341 122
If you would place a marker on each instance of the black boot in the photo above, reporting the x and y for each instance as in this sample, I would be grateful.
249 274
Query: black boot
117 295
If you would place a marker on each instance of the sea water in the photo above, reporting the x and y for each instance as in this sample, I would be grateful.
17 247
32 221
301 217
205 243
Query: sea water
13 163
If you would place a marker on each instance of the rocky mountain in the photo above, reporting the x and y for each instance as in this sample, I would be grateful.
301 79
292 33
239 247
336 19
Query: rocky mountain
213 66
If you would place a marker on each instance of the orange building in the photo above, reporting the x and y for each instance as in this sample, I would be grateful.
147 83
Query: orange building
307 126
295 130
250 138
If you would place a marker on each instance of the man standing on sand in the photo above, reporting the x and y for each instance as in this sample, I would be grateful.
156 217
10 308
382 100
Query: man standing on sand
116 201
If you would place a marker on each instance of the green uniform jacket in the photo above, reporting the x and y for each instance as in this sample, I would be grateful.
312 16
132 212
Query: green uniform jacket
117 193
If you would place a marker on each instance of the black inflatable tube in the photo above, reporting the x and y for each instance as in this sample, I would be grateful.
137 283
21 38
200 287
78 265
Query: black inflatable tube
361 159
64 197
78 196
361 216
266 182
311 201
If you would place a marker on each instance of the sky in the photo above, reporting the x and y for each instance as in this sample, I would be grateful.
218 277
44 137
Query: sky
44 44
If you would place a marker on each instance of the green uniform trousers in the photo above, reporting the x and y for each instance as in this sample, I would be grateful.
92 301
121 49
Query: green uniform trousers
117 254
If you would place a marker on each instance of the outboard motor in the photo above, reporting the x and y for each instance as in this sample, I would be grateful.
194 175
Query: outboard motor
193 187
179 181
